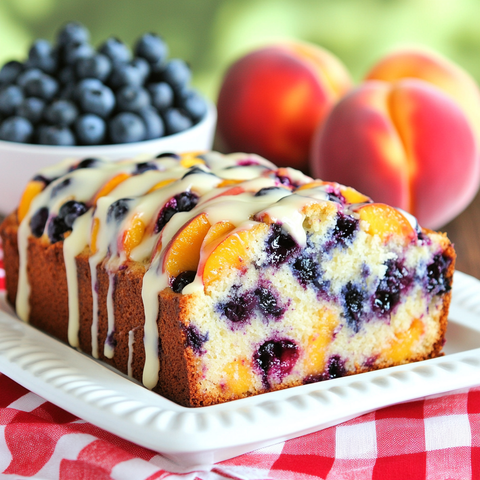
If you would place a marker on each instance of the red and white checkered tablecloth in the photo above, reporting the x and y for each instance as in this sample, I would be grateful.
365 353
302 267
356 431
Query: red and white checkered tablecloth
433 439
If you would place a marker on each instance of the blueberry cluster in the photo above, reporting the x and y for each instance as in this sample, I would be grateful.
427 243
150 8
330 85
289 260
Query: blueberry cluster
70 93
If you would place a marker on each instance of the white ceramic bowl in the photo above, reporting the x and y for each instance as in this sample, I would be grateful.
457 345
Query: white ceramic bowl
20 162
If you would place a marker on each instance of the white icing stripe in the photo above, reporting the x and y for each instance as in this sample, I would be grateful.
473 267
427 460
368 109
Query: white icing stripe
108 349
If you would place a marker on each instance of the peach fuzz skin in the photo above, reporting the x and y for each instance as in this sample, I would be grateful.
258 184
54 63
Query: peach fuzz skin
272 99
436 70
406 144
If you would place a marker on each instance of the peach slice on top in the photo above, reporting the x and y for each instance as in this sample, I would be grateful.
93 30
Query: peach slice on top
183 252
386 222
133 235
110 185
353 196
32 189
230 252
189 159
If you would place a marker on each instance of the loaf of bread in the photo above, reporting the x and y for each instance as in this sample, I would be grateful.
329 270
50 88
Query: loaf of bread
213 277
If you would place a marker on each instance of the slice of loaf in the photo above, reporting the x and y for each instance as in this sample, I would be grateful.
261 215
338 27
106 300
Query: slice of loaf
211 278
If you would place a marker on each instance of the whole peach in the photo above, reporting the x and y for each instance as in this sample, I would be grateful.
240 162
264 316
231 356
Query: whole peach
272 99
406 144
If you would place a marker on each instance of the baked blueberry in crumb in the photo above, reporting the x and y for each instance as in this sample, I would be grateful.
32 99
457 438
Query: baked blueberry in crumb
336 367
437 282
279 245
111 341
240 307
118 210
38 222
353 302
276 359
343 232
182 280
268 303
194 338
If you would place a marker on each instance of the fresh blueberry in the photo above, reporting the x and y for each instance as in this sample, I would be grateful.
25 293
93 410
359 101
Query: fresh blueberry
132 99
194 105
41 55
67 75
90 129
72 32
73 52
61 112
28 74
31 108
115 50
16 129
38 222
153 123
194 338
353 305
70 211
437 280
182 280
151 47
127 127
118 210
144 167
276 358
97 66
132 73
177 73
11 97
268 303
86 84
176 121
162 95
279 245
44 86
10 71
100 101
55 135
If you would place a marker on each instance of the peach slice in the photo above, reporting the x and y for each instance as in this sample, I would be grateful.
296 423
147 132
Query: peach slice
232 252
94 237
133 235
110 185
315 351
162 184
216 231
238 375
228 182
400 349
183 252
32 189
353 196
386 222
189 159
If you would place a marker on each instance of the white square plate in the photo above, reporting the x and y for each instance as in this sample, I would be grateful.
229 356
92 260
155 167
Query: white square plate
194 437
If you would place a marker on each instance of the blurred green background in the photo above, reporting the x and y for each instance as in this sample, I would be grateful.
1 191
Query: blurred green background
210 34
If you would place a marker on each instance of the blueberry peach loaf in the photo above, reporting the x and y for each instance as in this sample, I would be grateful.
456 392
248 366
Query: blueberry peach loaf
211 278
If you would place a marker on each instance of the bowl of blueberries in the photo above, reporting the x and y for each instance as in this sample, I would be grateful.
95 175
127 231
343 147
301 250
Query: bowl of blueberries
69 99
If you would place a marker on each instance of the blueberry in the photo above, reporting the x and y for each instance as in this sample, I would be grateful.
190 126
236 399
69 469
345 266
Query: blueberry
43 86
67 75
336 367
133 73
56 229
10 71
353 305
11 97
132 99
70 211
437 280
186 201
194 105
73 32
31 108
176 121
268 190
41 55
87 163
90 129
153 123
118 210
27 75
74 51
238 308
61 112
127 127
144 167
99 101
67 92
151 47
161 94
86 84
182 202
97 66
55 135
279 245
194 338
306 269
168 154
276 358
177 73
268 303
182 280
16 129
196 171
116 50
343 232
38 222
59 186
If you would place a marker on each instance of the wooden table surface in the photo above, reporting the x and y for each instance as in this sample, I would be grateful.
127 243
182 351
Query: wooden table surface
464 231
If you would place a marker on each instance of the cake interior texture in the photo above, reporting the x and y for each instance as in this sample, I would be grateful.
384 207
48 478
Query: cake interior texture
213 277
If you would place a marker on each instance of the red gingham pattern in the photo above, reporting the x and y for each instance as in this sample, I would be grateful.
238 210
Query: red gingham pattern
433 439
